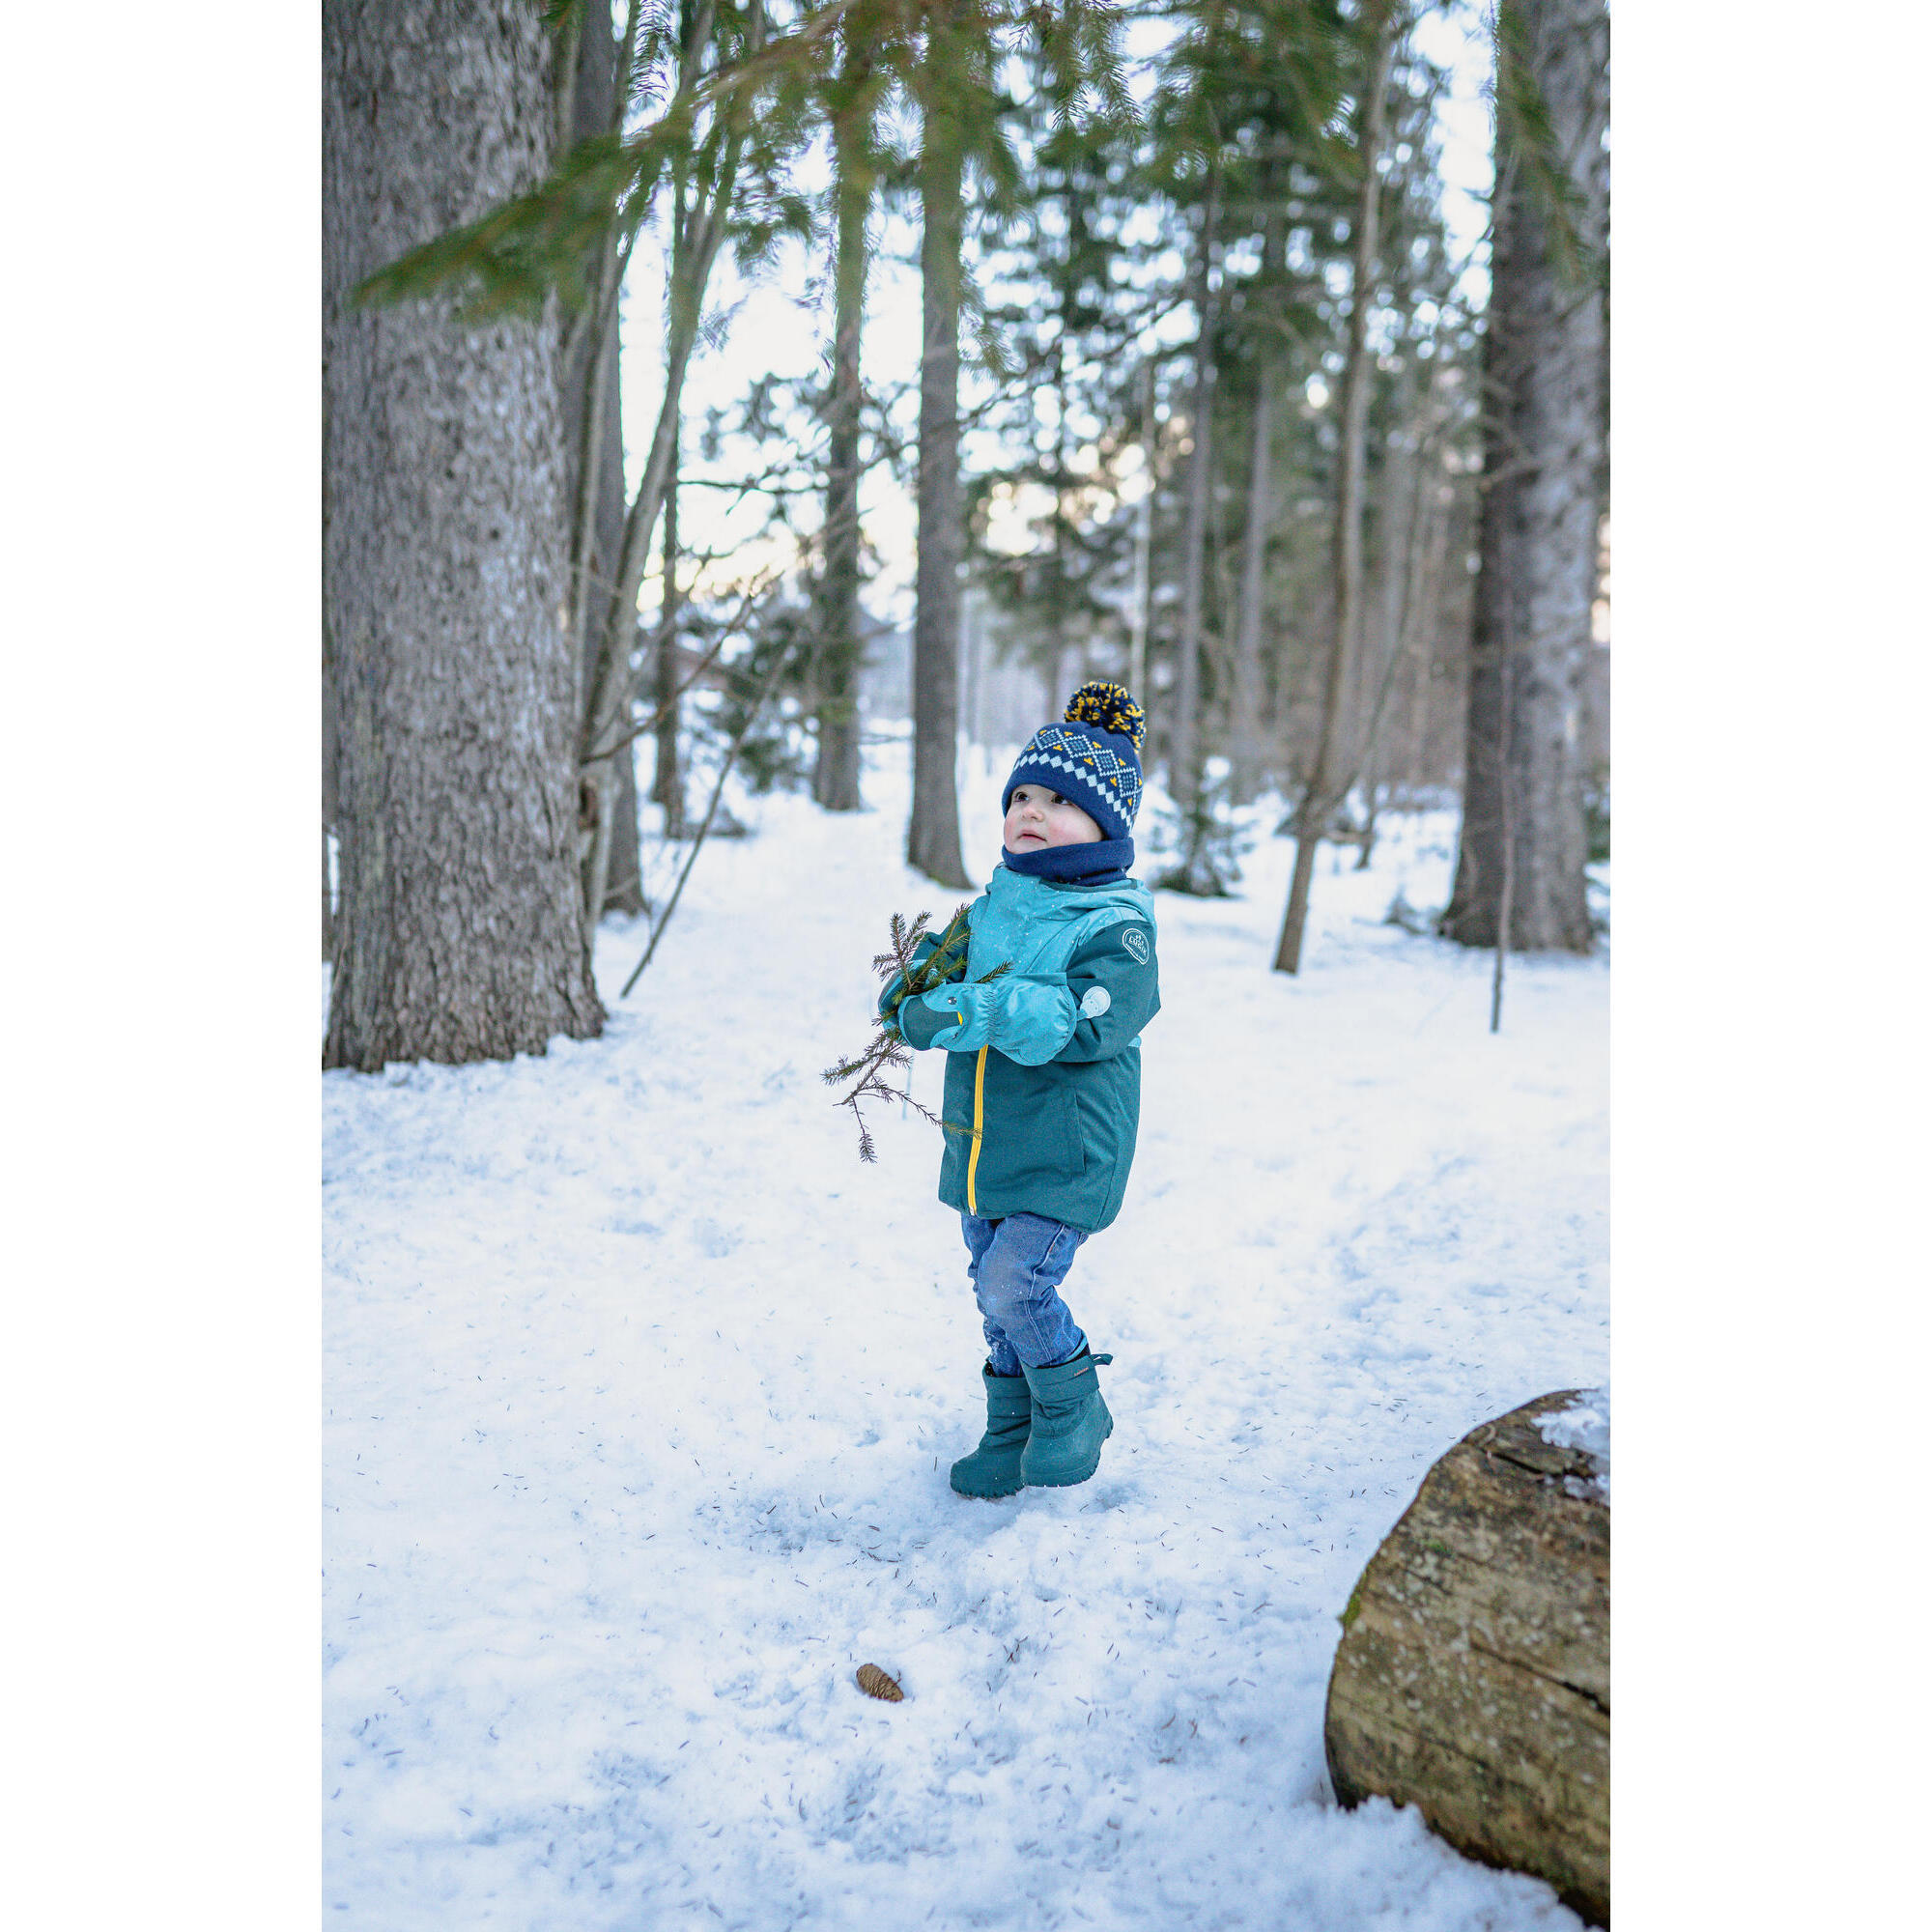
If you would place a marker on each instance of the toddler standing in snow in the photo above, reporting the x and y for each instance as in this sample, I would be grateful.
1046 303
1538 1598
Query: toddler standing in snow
1042 1080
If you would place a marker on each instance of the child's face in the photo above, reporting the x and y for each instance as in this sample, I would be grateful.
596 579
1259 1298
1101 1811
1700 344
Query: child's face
1038 818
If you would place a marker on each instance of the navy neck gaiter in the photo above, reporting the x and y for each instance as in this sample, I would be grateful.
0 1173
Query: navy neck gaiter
1097 864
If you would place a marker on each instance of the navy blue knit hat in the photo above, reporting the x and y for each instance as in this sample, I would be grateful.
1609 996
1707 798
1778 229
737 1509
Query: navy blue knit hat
1092 756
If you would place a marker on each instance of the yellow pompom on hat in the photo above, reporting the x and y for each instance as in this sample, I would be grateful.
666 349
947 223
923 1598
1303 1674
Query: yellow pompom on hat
1091 756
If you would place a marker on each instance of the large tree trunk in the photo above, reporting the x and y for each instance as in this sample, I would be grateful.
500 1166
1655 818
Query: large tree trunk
593 422
1473 1676
445 556
834 780
933 836
1544 376
1328 783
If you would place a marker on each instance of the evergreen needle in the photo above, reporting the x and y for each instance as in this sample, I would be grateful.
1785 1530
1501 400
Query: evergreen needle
886 1052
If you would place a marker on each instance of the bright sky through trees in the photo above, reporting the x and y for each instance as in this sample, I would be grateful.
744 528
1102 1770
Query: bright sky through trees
779 326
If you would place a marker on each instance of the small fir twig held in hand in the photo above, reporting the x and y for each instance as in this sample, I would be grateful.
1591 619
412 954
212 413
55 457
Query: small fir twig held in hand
886 1052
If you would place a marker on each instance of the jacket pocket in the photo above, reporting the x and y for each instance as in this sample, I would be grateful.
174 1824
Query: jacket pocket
1033 1129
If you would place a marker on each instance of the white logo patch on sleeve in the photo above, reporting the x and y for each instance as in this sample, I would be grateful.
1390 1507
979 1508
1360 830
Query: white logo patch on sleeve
1135 940
1094 1002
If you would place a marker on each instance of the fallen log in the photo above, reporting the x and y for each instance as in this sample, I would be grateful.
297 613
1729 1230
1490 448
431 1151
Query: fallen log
1473 1676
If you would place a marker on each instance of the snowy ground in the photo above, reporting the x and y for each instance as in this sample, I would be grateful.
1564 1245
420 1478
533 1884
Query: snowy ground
640 1392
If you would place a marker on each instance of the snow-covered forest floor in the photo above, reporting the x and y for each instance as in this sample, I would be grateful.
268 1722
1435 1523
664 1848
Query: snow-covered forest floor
640 1391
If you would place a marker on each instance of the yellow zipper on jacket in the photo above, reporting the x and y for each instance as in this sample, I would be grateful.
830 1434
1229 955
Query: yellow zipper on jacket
978 1128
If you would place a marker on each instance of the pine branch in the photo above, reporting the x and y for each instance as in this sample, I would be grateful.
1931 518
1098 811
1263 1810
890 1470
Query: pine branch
886 1052
1526 135
538 242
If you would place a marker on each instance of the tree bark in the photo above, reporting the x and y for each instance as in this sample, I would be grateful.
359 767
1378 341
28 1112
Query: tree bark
933 836
445 560
328 791
1325 785
327 900
1544 377
1473 1676
841 646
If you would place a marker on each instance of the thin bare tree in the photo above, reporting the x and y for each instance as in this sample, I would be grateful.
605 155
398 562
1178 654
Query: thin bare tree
668 775
589 105
1184 757
842 644
1326 784
700 226
1249 746
932 833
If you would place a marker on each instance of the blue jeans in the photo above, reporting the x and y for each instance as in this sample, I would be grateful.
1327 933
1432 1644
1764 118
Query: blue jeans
1018 1263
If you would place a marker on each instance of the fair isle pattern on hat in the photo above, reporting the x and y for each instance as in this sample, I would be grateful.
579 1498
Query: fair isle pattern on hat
1091 765
1091 756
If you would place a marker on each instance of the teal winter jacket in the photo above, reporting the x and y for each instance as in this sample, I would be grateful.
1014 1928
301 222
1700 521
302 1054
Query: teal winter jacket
1043 1063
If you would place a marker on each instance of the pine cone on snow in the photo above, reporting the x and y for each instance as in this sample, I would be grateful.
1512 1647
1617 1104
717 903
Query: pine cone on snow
874 1682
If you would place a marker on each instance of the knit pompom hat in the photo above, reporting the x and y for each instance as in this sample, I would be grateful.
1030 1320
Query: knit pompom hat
1092 756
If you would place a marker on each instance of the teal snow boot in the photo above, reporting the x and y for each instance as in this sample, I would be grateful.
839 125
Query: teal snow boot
1069 1423
993 1469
